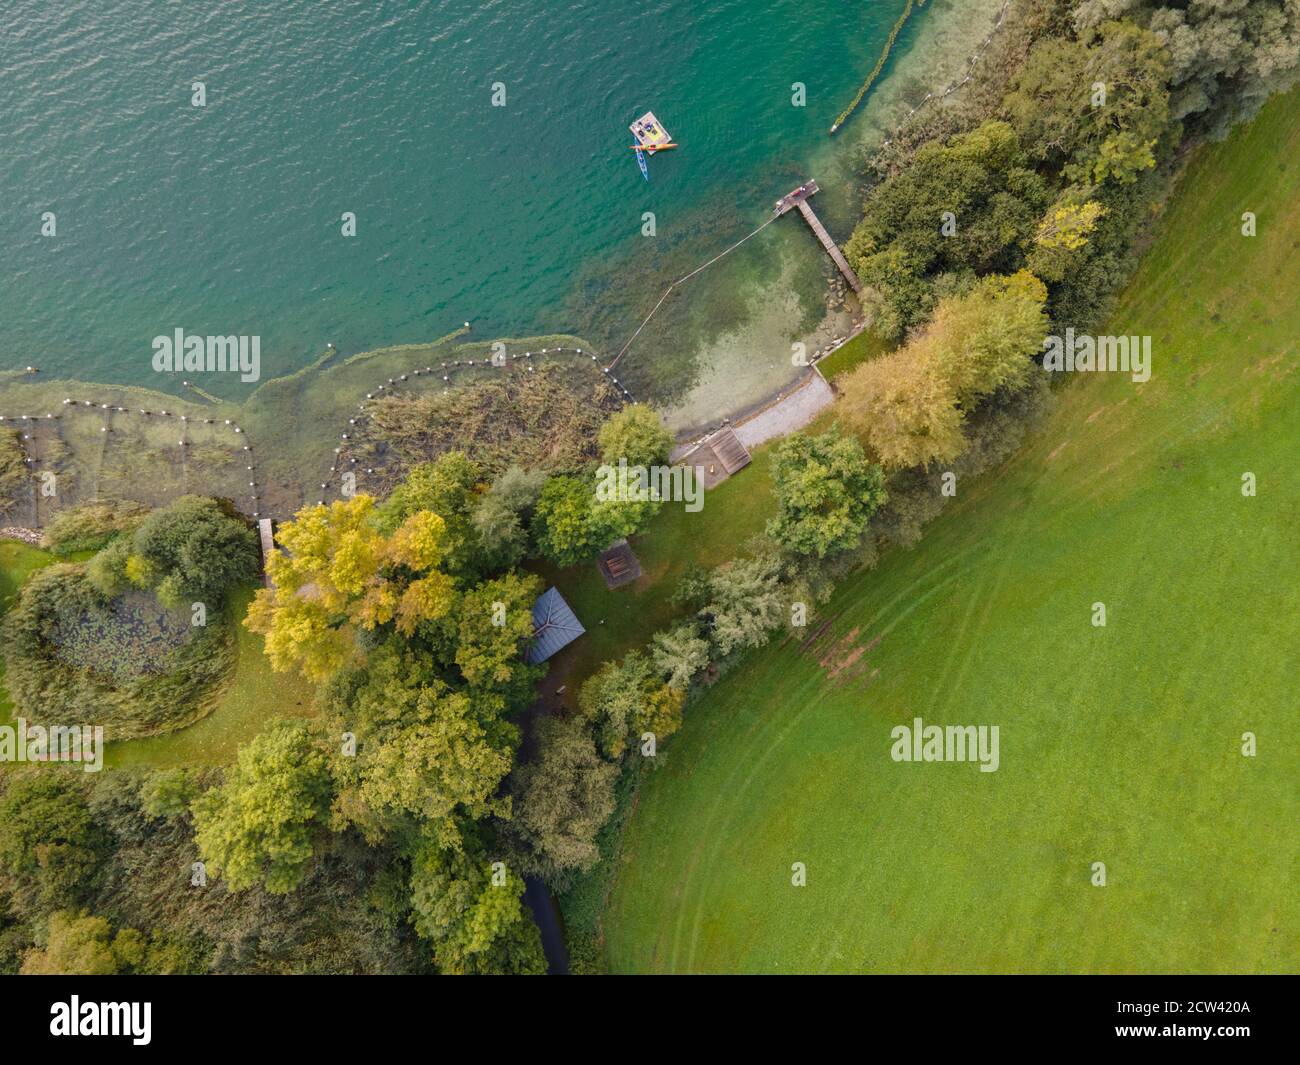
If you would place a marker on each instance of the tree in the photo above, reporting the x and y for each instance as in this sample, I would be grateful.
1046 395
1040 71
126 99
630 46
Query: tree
679 653
904 409
470 911
561 799
169 792
637 435
624 700
450 488
424 750
826 491
338 573
1064 230
50 842
909 405
495 622
81 945
745 603
261 826
518 490
986 340
192 550
500 533
1056 105
1067 225
967 206
1226 56
572 525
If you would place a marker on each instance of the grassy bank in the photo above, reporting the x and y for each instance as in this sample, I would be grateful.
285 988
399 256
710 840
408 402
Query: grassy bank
1119 744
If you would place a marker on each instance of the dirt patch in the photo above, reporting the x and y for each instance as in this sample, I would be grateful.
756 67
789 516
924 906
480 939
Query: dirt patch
842 658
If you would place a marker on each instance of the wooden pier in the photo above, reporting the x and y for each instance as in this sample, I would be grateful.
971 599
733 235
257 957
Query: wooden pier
266 534
799 198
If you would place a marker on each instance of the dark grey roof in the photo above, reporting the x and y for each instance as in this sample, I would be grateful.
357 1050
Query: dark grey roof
554 626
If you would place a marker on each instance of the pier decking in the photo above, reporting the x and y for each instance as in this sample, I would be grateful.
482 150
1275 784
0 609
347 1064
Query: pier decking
799 198
266 534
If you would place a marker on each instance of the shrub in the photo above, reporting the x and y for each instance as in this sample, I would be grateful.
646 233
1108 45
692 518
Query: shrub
90 526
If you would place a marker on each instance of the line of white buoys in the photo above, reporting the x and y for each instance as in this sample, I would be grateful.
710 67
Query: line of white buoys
975 58
447 369
110 409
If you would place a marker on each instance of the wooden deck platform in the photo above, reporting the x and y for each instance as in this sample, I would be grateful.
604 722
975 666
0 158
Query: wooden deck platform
798 198
266 534
618 565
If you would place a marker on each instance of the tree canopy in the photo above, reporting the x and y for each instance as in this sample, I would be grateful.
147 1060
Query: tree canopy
826 491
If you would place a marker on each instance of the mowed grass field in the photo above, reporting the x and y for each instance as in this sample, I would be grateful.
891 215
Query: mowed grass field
1119 744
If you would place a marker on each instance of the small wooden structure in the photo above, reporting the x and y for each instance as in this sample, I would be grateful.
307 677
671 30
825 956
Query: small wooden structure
554 626
266 533
618 565
798 198
718 456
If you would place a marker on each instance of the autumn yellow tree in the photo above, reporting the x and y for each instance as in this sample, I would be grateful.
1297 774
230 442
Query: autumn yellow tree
904 410
334 573
909 406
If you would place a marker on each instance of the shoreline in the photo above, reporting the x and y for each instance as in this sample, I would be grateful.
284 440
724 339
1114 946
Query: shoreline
840 320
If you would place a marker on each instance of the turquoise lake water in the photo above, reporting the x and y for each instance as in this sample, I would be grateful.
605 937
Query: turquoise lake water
522 219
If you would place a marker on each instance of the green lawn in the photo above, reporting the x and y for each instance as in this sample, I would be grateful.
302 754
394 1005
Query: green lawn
252 696
862 348
1118 744
625 618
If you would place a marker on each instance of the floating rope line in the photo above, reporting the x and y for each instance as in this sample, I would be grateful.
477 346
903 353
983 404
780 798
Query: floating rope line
975 58
681 280
880 65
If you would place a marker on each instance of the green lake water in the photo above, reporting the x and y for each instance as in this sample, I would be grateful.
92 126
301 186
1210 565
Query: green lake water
522 219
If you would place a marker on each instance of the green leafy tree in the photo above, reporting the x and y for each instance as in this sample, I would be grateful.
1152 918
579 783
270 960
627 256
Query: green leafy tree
471 913
449 487
636 434
624 700
746 601
1096 107
169 792
500 533
826 491
81 945
572 524
518 489
986 340
680 653
193 550
561 798
50 842
424 750
967 206
1226 56
338 575
495 622
263 824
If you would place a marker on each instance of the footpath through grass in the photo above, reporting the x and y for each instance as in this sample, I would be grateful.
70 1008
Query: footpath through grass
1120 744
